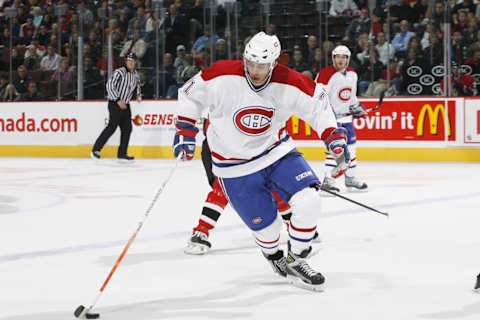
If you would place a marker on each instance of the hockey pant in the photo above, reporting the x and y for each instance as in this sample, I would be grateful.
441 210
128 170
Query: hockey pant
292 178
352 148
216 203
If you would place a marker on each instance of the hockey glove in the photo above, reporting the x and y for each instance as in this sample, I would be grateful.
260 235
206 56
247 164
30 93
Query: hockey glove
357 110
184 140
336 144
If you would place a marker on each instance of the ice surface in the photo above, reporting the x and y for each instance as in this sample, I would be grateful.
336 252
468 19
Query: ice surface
64 222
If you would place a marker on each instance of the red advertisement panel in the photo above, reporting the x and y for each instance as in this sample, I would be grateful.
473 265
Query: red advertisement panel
396 120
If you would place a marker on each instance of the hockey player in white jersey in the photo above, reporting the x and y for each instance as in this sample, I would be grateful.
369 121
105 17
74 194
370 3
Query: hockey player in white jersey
341 84
248 104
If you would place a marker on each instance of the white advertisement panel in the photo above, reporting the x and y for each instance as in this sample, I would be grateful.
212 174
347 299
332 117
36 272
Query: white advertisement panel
472 121
80 123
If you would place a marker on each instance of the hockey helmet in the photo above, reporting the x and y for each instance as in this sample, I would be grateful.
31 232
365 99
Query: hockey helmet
263 48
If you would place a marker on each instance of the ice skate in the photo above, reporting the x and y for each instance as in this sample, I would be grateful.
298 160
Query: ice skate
198 244
278 262
125 159
355 185
477 285
300 274
95 155
329 185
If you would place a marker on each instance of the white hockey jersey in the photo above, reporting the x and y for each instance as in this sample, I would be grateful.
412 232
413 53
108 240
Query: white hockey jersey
247 127
341 88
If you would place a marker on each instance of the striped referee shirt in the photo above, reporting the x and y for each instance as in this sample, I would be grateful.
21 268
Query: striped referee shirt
122 84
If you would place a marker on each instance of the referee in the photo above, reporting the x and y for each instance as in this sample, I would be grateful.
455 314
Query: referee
120 88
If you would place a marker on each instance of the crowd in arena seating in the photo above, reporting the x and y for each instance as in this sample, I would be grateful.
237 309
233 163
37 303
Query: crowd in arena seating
403 54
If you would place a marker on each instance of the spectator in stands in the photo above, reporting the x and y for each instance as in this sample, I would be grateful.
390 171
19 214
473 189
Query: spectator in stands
27 29
459 50
32 58
318 62
221 50
406 70
195 18
95 45
64 73
32 93
401 11
184 73
176 29
170 74
358 26
361 49
420 12
462 84
202 60
297 63
460 21
145 86
9 94
206 40
22 79
140 16
179 58
272 29
474 61
377 87
377 23
343 8
385 50
369 71
85 14
42 35
102 63
113 27
37 16
135 26
123 20
309 52
3 82
465 5
433 54
17 59
51 59
137 45
92 80
400 41
438 14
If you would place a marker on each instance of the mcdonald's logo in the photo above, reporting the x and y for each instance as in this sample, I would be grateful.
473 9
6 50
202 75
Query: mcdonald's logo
433 117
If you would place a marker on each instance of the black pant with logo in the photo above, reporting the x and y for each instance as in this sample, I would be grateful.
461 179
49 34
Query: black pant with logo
117 118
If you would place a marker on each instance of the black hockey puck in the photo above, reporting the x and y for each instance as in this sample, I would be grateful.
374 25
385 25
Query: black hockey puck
88 315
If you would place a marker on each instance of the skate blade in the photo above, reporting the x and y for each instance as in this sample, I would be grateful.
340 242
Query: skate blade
355 190
296 282
196 249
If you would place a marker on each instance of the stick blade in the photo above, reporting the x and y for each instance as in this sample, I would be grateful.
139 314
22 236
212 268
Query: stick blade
82 313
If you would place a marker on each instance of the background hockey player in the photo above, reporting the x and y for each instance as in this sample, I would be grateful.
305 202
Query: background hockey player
341 84
248 104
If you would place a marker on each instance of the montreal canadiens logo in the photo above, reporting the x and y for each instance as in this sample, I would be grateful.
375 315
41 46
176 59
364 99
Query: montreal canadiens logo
254 120
345 94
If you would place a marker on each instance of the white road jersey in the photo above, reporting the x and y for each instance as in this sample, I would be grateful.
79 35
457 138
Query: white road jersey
247 127
341 88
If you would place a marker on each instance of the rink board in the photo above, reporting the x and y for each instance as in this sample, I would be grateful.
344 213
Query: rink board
404 129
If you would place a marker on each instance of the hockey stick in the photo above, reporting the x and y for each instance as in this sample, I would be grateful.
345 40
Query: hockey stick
379 104
82 311
353 201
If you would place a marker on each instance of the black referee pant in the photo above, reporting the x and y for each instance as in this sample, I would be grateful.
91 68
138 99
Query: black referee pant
117 117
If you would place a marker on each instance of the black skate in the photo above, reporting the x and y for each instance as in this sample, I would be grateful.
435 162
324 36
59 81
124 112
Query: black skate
477 285
278 263
355 185
329 185
198 244
95 155
301 274
125 158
